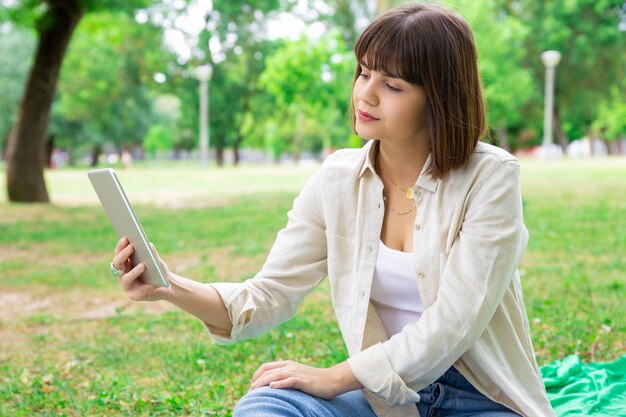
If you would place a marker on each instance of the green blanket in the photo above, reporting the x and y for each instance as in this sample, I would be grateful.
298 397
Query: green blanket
586 389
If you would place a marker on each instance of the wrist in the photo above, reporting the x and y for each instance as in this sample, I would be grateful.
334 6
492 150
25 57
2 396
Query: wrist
344 379
173 292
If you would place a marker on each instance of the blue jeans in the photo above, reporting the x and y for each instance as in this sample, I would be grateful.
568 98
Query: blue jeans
450 395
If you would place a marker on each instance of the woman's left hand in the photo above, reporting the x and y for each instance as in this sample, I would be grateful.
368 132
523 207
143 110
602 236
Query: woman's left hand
324 383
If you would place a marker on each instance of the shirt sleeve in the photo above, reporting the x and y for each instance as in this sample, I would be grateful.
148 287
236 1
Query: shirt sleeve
295 265
479 268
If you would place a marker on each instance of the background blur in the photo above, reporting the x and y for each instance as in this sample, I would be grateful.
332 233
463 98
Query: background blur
281 76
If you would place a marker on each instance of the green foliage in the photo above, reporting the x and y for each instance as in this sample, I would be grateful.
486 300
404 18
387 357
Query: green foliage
508 85
587 34
293 95
103 86
32 13
16 48
307 84
158 139
611 120
23 13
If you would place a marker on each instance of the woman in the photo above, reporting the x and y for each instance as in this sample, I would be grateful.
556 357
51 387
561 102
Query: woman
420 233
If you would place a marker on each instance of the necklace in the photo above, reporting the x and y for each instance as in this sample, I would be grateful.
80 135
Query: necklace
396 212
407 193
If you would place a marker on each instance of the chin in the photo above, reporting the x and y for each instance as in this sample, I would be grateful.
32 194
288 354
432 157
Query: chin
364 134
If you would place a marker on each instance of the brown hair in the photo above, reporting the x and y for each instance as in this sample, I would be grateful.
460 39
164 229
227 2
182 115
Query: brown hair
432 47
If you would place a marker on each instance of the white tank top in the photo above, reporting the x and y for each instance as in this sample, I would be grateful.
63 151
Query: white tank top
395 294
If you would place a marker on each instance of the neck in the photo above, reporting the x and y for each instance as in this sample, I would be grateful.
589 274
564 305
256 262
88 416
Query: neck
402 162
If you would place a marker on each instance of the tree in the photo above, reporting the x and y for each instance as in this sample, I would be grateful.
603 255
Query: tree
508 85
54 21
106 89
307 84
16 47
611 120
235 31
587 33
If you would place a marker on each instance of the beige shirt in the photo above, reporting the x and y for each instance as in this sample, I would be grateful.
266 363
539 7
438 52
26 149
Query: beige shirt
468 239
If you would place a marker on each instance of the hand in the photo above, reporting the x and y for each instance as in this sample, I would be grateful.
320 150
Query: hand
135 288
325 383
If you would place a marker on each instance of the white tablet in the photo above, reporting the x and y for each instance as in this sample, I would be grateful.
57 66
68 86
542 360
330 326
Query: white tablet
125 223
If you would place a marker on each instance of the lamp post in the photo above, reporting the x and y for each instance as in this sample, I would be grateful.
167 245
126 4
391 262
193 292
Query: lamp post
203 73
550 60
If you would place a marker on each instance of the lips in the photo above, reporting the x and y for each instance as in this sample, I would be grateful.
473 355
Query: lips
366 117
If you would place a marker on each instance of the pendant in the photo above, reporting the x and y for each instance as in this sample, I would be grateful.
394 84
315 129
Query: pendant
408 194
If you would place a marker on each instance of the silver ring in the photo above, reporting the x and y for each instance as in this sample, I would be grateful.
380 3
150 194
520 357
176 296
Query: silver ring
116 272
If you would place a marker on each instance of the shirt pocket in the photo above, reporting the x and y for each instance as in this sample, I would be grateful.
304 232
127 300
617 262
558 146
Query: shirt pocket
341 270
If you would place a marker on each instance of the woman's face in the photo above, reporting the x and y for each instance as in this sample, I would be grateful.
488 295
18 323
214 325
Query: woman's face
389 109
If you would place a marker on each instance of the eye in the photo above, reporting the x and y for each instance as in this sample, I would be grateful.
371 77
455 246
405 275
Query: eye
364 75
392 88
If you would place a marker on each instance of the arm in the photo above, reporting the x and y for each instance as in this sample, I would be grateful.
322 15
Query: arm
295 265
199 300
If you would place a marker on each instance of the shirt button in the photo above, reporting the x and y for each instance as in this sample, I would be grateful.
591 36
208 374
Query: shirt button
418 227
369 249
420 275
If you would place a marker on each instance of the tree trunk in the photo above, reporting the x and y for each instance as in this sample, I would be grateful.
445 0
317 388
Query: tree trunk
49 150
503 138
25 148
95 155
71 157
236 146
219 156
297 139
560 135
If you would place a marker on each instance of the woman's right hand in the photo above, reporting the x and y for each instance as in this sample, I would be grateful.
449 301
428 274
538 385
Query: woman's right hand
134 287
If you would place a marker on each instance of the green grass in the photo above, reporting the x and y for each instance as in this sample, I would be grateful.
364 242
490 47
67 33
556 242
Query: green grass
71 344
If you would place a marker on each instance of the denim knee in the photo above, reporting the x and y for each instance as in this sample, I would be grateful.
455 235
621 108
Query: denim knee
268 402
265 401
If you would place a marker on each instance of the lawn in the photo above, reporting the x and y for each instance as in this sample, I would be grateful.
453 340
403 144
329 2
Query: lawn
72 344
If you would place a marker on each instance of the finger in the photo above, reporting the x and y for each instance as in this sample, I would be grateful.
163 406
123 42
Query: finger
121 244
290 382
120 260
268 366
129 277
272 375
161 261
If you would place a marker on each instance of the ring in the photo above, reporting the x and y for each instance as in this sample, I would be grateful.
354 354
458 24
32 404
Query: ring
116 272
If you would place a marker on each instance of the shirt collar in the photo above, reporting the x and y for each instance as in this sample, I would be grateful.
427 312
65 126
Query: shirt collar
424 181
368 162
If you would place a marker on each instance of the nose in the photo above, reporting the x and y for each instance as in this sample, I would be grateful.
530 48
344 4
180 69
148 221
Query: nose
367 93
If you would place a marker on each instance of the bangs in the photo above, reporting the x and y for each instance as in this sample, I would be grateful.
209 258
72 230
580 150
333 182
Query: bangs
391 49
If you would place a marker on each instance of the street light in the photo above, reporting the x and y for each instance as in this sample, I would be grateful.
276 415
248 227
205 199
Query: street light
550 60
203 73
